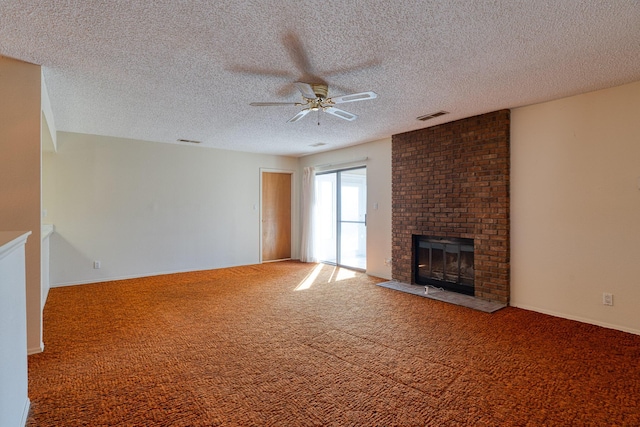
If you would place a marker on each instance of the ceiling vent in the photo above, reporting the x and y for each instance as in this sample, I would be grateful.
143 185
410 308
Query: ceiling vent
432 115
318 144
190 141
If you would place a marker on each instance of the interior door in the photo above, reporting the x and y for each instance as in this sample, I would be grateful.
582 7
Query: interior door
276 216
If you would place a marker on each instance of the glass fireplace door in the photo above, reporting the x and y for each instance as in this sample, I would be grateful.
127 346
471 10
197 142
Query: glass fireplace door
444 262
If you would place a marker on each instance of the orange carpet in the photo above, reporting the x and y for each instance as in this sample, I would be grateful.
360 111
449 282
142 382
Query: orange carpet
260 346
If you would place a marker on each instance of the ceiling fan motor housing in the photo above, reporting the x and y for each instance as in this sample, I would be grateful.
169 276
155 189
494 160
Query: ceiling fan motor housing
321 90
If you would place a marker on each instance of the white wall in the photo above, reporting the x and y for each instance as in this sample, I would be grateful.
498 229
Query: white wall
575 207
378 194
20 175
14 402
145 208
46 231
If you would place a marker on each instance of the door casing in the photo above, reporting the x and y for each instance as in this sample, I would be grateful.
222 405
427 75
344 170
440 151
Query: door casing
276 190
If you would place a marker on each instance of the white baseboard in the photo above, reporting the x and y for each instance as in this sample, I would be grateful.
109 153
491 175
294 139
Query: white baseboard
35 350
578 319
137 276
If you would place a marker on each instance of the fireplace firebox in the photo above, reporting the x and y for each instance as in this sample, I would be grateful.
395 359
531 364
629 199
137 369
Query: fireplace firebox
444 262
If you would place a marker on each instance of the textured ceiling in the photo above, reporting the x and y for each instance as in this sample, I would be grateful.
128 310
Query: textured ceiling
163 70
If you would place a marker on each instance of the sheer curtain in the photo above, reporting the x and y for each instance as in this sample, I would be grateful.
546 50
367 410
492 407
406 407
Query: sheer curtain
308 208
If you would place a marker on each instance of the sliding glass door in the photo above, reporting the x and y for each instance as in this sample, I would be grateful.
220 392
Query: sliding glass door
340 220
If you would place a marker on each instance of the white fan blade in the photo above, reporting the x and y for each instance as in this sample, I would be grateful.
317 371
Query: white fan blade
298 116
306 90
341 113
354 97
270 104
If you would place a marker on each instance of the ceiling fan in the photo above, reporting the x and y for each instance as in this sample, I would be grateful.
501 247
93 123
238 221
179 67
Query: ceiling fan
314 97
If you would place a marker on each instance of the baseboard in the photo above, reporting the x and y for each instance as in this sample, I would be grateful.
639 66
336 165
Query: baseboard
25 412
578 319
35 350
137 276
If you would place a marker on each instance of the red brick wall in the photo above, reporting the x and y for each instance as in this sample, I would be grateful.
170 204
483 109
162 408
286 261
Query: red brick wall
452 180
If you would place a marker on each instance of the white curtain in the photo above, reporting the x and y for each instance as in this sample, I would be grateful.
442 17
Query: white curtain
308 208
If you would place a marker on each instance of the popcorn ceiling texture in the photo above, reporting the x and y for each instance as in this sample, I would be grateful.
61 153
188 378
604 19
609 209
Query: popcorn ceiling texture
165 70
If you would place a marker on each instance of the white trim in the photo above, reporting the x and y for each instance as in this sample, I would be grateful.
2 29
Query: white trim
47 230
578 318
139 276
342 165
35 350
10 240
47 111
25 412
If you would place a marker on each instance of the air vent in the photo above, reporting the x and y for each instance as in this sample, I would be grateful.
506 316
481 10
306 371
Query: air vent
190 141
432 115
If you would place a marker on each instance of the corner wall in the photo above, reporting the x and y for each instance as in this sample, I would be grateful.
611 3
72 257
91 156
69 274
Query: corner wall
575 207
378 164
20 175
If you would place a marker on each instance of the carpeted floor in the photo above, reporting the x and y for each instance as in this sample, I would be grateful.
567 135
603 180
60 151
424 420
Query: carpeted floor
242 347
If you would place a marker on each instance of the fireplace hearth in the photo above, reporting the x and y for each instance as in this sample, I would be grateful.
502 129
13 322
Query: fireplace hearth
444 262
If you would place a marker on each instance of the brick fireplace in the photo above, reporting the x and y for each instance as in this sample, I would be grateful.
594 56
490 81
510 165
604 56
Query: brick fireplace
452 181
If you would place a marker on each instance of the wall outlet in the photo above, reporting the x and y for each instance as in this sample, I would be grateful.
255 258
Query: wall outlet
387 261
607 298
96 265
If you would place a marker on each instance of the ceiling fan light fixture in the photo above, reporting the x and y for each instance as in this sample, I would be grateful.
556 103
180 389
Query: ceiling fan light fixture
432 115
315 98
321 90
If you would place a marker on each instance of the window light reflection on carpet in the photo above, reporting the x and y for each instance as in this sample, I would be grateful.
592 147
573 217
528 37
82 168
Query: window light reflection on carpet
310 279
340 273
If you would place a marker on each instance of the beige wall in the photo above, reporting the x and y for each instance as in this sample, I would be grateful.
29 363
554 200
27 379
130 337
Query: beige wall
146 208
378 164
575 212
20 174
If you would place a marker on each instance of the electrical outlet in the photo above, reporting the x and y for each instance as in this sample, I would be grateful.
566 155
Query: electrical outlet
607 298
387 261
96 265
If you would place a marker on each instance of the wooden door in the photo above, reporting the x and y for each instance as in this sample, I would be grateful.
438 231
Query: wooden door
276 216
